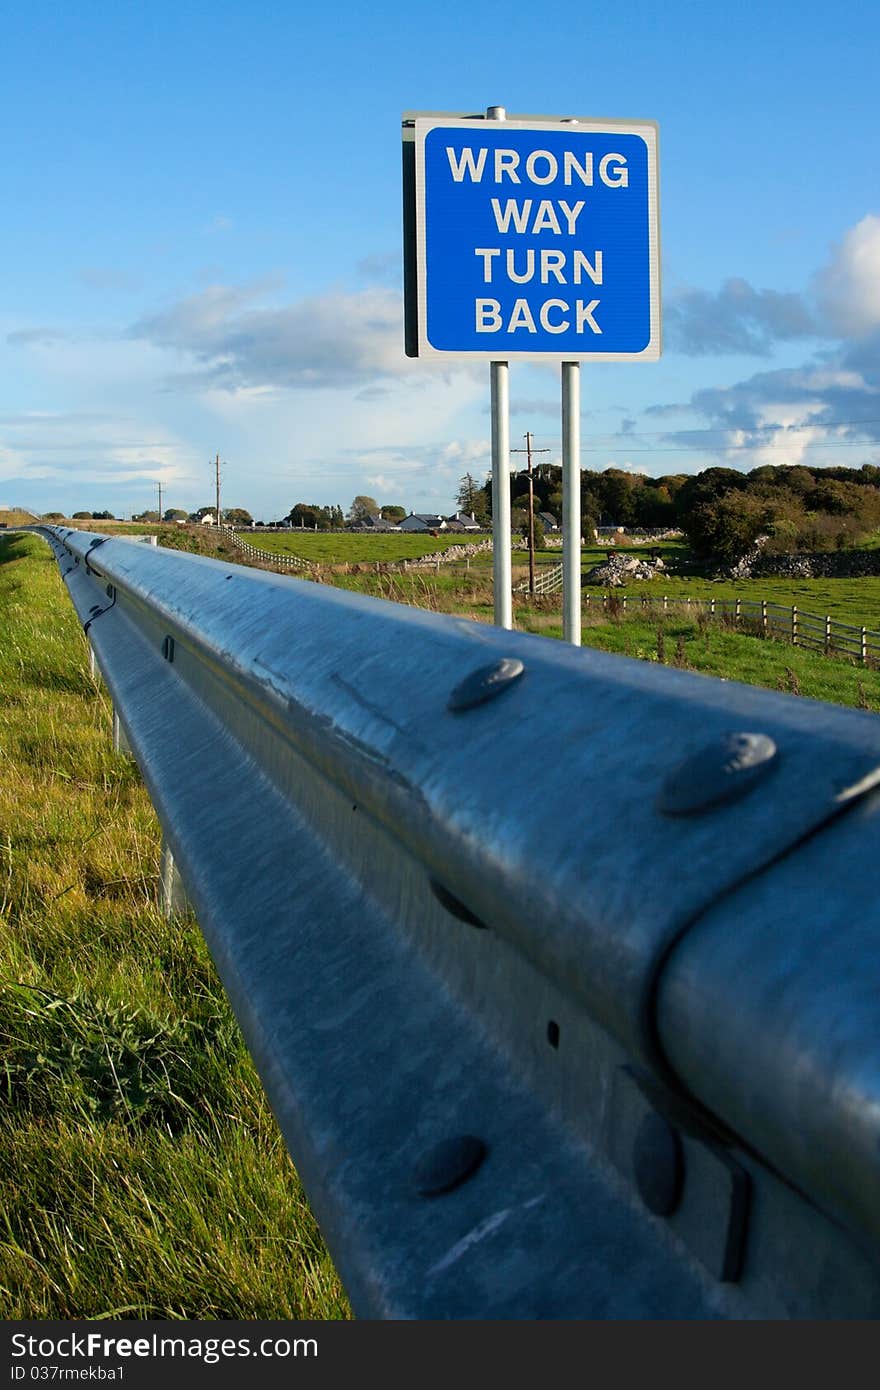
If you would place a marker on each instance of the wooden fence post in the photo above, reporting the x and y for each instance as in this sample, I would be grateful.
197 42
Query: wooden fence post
794 626
764 615
864 646
827 633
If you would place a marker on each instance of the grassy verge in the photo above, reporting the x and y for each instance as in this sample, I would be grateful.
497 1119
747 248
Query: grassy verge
141 1171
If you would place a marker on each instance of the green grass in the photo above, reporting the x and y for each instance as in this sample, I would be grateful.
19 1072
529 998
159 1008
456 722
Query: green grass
854 601
142 1173
716 649
355 548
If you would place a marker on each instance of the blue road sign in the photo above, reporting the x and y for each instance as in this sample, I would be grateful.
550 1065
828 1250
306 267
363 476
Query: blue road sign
536 238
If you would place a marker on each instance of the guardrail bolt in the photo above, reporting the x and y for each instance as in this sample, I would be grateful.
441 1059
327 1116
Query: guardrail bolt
453 904
658 1165
485 683
168 648
719 773
448 1164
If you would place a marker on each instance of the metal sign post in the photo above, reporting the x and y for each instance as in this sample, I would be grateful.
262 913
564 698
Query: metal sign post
499 373
499 400
571 502
531 237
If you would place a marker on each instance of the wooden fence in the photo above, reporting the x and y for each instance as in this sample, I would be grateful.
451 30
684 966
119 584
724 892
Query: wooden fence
819 632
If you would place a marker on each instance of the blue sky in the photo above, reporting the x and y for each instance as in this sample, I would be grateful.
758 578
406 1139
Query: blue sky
201 244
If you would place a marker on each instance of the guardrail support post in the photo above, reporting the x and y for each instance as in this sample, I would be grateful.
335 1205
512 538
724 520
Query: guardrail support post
120 742
172 894
93 665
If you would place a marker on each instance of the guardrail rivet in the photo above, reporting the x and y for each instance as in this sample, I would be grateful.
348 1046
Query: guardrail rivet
454 904
448 1164
168 648
719 773
658 1165
485 683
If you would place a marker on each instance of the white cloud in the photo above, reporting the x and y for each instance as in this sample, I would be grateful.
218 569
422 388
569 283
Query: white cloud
332 339
848 288
105 450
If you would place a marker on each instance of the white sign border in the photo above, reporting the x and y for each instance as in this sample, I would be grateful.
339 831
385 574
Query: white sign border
647 130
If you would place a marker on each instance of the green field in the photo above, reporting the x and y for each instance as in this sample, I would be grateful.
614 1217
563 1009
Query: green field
855 601
142 1173
355 547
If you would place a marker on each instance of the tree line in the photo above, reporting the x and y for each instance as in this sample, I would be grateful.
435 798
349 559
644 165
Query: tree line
720 511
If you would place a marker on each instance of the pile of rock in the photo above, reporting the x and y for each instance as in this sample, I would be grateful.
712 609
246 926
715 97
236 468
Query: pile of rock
620 569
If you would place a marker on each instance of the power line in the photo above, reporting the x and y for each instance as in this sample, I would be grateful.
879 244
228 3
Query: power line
729 448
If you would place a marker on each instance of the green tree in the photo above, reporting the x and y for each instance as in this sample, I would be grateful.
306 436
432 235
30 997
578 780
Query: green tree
726 527
471 498
361 508
175 514
393 513
237 516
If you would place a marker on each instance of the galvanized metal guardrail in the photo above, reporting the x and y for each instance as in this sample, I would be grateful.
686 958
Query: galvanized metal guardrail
560 970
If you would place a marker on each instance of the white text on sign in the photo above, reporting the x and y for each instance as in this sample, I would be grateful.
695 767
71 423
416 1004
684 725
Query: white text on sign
528 217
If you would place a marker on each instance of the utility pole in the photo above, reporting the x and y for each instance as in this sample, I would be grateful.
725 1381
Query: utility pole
528 451
217 479
160 501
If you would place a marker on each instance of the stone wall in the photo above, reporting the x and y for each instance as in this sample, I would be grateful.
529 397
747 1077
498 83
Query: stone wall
836 564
